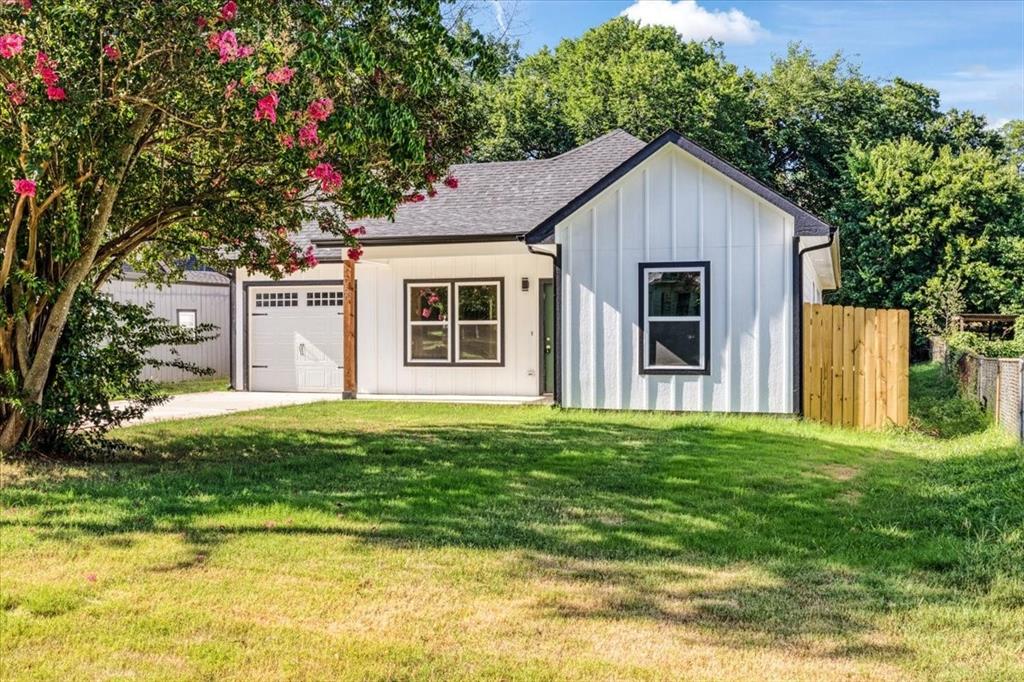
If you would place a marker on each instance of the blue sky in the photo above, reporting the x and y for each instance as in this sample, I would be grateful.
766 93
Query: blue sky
971 52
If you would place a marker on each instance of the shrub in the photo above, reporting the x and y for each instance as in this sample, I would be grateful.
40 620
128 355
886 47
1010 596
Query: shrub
100 360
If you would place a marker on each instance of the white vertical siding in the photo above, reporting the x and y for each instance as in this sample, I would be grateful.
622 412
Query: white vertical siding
674 208
381 365
211 305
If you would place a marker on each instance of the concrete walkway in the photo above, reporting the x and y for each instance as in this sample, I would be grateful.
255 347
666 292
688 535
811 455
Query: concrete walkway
214 403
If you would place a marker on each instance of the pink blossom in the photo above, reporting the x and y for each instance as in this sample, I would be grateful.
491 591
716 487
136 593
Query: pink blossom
357 231
91 577
320 109
287 140
291 193
229 10
282 76
266 108
425 313
355 253
25 187
201 22
246 51
451 181
310 257
308 135
44 69
16 94
433 299
55 94
227 46
11 44
330 179
112 53
414 198
229 89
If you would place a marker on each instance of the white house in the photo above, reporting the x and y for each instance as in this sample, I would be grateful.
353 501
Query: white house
618 275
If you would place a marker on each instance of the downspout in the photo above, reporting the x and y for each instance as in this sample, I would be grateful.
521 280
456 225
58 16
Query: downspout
556 259
798 317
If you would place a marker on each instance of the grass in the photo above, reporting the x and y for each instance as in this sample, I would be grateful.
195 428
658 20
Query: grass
200 385
410 541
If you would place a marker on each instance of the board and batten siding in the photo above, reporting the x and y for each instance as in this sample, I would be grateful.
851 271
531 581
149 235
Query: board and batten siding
672 207
212 305
380 281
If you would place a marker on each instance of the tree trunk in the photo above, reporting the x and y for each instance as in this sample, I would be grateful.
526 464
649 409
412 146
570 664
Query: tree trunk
34 381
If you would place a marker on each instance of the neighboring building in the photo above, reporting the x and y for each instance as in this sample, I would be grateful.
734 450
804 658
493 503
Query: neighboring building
617 275
202 297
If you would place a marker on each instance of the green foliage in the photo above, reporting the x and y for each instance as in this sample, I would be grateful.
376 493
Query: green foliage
938 408
961 342
618 75
187 131
928 202
914 217
104 349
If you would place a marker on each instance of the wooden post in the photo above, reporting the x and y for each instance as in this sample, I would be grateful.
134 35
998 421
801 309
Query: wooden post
349 352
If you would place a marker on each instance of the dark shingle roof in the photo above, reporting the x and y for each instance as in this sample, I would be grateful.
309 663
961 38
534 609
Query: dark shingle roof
501 199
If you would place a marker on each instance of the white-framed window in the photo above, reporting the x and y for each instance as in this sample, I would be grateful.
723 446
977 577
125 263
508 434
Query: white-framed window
454 322
478 322
674 318
187 318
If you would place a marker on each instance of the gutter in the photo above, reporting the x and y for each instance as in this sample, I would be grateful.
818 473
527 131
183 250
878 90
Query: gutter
798 316
556 259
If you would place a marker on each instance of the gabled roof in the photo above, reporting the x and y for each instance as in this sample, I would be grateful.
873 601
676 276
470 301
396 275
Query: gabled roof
805 224
499 200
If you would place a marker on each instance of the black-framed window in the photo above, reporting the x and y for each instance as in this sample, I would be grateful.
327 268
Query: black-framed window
675 317
454 322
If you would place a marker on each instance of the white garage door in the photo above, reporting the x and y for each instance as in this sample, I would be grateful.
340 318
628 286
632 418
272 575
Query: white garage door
296 339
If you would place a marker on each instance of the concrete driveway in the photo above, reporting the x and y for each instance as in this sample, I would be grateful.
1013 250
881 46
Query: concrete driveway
213 403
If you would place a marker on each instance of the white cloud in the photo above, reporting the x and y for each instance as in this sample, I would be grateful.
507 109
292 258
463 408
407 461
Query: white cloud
693 22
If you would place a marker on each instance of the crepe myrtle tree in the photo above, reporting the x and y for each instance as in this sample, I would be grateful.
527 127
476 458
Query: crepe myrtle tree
163 131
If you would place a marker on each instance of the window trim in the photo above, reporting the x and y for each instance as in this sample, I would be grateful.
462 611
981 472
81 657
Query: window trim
452 323
195 317
704 268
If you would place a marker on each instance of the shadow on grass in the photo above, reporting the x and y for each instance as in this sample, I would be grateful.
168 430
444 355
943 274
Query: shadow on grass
841 529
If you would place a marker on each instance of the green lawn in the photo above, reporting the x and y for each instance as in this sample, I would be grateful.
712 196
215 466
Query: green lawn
200 385
409 541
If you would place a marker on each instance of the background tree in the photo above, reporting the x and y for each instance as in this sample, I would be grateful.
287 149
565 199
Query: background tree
924 197
618 75
916 220
161 131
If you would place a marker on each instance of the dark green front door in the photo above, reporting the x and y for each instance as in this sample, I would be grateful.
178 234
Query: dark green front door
547 335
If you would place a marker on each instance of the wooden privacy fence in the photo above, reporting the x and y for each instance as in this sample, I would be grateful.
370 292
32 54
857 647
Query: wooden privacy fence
855 365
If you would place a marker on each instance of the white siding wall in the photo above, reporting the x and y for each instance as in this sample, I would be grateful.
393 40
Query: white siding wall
211 306
381 368
380 275
674 208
